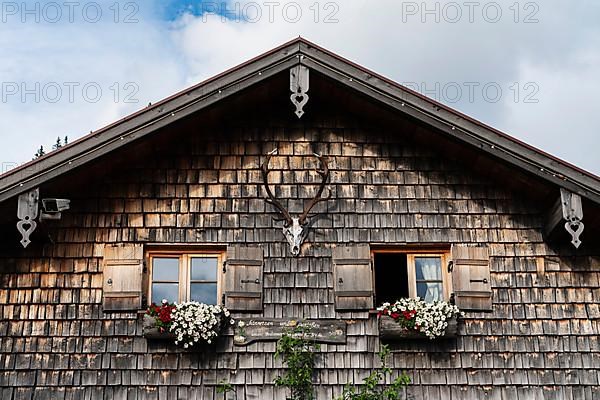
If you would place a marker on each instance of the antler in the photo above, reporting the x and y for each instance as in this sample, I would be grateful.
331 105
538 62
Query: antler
324 172
272 200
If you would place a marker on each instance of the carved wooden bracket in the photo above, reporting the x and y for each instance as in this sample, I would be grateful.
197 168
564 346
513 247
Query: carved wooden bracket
567 212
27 212
28 209
573 214
299 85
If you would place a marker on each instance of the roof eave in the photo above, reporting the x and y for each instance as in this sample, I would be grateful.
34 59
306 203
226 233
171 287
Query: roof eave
453 123
354 76
143 122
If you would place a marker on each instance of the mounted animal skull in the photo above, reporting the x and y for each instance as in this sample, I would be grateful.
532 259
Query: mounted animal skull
295 230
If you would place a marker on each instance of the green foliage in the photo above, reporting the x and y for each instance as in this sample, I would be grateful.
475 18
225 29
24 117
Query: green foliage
372 387
297 348
39 153
59 143
224 387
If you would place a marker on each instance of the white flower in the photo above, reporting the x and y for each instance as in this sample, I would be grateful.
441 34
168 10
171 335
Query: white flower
431 319
193 322
241 324
165 301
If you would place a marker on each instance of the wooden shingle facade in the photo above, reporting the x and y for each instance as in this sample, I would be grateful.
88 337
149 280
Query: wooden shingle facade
398 183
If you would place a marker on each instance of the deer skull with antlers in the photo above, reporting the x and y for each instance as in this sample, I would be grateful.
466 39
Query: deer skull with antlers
295 230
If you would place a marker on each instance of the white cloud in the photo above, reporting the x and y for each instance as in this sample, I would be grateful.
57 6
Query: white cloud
564 121
68 78
163 58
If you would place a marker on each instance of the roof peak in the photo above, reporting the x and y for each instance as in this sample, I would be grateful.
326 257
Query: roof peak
316 58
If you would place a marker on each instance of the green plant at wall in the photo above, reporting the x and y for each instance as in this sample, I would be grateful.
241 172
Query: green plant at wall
225 387
372 388
297 349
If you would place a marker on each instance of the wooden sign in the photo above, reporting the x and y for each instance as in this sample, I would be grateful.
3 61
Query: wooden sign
249 330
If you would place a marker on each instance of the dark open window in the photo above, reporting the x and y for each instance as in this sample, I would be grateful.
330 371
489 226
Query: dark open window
401 274
391 277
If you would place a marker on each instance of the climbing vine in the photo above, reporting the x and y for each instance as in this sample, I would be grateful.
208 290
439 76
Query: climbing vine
372 387
224 387
297 349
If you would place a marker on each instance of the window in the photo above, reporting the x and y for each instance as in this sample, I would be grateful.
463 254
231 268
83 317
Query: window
400 274
180 277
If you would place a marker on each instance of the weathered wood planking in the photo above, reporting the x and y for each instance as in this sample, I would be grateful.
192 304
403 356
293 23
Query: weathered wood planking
471 281
353 277
395 184
391 330
243 278
122 283
150 331
270 329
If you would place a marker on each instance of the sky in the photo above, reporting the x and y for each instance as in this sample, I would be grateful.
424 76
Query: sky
527 68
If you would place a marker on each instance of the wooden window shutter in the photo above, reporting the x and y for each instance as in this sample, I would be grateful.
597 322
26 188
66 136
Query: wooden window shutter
353 277
122 275
471 278
243 279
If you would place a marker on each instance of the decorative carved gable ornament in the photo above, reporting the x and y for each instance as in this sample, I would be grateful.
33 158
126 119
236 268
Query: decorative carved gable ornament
299 85
28 209
573 214
296 230
27 212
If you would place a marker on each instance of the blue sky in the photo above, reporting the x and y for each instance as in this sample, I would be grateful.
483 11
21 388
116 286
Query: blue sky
527 68
173 9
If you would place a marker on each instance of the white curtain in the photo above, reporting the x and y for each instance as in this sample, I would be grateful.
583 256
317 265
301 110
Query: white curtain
430 267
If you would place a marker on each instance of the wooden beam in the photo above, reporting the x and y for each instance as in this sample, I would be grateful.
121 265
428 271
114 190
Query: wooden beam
554 218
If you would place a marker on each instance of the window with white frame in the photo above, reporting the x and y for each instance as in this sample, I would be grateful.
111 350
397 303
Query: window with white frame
402 274
183 276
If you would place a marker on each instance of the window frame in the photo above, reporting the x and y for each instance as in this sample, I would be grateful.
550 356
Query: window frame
185 265
411 254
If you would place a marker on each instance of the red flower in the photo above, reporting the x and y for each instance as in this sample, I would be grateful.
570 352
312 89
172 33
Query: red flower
165 314
409 314
162 314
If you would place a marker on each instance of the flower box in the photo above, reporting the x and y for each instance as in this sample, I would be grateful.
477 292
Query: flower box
186 324
414 318
392 330
151 331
